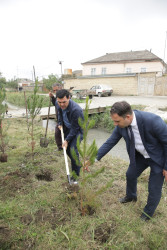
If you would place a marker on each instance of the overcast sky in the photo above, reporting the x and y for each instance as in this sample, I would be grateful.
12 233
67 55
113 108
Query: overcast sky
44 32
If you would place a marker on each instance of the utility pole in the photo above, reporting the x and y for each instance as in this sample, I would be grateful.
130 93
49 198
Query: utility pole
60 62
164 52
34 74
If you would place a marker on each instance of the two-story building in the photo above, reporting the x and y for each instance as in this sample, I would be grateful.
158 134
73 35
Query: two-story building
128 73
124 63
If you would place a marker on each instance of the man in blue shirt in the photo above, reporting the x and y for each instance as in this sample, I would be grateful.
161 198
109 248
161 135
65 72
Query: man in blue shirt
68 115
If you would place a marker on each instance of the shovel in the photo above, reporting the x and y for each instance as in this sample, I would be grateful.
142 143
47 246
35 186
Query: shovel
44 141
65 157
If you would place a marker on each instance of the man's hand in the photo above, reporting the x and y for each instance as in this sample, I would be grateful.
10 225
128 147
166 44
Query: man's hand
60 127
87 164
65 145
165 174
50 94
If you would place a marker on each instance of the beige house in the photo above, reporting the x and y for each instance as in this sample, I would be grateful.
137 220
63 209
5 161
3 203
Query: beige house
25 84
124 63
128 73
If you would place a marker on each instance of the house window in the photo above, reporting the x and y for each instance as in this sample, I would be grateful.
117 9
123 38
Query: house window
93 71
103 71
143 69
128 70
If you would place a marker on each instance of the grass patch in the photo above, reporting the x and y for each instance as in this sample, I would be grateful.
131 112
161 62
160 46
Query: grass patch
37 212
17 99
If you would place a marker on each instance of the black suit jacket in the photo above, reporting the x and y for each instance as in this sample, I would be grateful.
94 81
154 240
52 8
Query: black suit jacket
153 132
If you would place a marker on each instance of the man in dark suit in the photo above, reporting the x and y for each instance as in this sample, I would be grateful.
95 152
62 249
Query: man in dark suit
145 135
68 115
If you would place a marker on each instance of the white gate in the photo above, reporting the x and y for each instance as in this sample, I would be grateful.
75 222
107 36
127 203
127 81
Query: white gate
146 85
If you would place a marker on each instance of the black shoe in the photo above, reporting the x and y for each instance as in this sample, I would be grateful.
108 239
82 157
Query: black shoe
73 180
127 199
144 217
58 150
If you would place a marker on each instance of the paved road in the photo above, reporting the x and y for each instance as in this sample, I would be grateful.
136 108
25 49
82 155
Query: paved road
153 103
159 101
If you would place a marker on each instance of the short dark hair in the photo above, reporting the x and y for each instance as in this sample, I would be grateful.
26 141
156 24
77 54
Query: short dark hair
62 93
121 108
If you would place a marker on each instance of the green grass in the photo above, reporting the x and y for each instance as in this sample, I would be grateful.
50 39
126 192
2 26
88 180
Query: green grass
18 99
40 214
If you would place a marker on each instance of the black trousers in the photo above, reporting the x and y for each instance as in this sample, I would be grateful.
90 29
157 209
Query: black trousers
58 137
155 183
72 145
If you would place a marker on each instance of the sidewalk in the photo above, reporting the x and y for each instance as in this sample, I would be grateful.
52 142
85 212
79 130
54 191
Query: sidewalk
152 103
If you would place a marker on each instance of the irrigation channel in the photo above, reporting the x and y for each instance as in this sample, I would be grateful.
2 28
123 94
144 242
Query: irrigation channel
100 136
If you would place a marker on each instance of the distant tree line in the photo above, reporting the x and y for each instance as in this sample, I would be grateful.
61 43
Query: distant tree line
13 83
7 84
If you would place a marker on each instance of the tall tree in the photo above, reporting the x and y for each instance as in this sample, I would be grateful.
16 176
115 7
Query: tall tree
34 105
51 80
87 198
12 84
2 80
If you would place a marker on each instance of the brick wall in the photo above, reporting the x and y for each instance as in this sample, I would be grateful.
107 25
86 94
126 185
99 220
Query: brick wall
121 85
161 86
129 85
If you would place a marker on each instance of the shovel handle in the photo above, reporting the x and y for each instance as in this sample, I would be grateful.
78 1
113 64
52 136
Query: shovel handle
48 118
65 155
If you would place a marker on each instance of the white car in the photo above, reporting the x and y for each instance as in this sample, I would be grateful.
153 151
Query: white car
102 90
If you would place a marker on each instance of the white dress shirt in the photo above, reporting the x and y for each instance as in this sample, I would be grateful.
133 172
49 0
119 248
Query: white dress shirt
138 142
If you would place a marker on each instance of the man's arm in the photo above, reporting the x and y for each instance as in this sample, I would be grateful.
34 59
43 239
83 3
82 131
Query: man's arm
160 132
106 147
53 99
109 144
74 124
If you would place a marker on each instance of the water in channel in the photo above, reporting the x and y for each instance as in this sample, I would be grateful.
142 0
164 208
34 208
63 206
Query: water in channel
100 136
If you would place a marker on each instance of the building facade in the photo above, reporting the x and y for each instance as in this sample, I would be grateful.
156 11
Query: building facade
128 73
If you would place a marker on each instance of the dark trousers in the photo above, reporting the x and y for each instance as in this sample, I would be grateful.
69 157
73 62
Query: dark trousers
58 137
155 183
72 145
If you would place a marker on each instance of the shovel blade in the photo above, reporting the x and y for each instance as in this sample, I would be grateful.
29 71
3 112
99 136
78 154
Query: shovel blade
44 142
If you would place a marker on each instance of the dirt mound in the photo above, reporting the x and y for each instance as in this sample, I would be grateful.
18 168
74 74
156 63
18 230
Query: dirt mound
13 183
45 175
104 231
